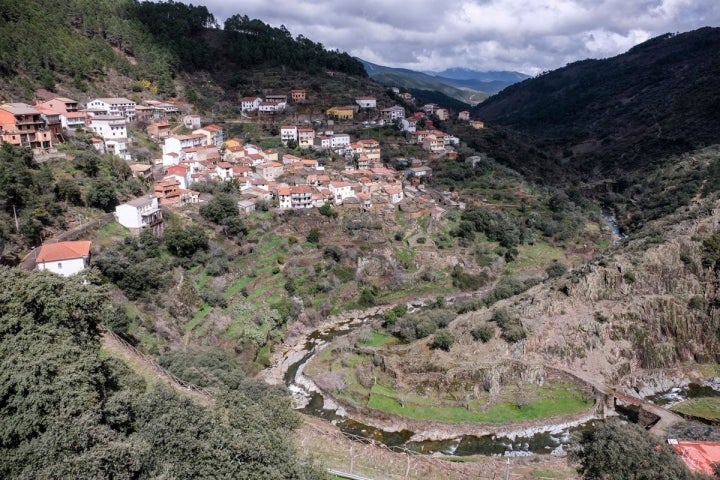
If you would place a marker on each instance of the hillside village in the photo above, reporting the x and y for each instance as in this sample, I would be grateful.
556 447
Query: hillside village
344 171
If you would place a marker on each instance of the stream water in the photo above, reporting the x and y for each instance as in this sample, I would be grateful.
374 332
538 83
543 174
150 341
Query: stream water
678 394
544 442
617 234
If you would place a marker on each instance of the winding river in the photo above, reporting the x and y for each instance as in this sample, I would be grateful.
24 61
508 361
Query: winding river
310 400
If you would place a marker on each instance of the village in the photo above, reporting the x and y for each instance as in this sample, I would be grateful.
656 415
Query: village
344 171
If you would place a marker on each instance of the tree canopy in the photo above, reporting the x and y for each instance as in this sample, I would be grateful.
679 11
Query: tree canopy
66 411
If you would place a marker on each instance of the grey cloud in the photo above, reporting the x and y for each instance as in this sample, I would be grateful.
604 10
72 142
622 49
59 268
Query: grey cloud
529 36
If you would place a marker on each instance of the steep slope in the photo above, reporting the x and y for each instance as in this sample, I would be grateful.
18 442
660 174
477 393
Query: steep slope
603 118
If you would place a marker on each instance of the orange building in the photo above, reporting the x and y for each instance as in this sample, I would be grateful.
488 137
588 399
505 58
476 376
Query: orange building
21 124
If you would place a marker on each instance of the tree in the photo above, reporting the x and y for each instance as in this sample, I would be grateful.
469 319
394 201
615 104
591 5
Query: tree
66 411
102 194
221 206
185 241
327 210
615 450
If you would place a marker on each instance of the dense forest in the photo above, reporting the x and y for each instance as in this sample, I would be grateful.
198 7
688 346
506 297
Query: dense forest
68 411
80 40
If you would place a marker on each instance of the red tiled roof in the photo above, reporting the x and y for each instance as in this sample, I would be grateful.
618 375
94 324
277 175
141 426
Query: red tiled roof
699 456
52 252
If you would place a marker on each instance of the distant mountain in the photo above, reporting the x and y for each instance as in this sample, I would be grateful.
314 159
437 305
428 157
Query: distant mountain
613 119
488 77
471 88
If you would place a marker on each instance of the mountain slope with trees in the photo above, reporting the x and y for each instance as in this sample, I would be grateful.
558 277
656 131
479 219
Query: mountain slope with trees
597 119
80 42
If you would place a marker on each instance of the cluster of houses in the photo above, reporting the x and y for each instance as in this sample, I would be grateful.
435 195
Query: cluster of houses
42 126
271 104
288 181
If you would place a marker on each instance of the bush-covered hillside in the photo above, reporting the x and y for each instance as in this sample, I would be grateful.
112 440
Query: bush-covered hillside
66 411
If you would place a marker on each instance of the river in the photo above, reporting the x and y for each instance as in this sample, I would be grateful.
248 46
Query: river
521 442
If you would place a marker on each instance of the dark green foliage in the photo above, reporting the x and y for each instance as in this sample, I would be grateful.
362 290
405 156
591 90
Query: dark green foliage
332 252
102 194
615 450
134 265
221 207
442 340
398 311
367 297
510 325
328 211
65 412
555 269
314 237
483 333
80 41
711 252
496 225
185 241
467 281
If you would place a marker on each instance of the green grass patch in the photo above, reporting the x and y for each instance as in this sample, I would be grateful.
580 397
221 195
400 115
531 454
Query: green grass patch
704 407
547 474
537 255
198 318
237 285
550 400
377 339
406 257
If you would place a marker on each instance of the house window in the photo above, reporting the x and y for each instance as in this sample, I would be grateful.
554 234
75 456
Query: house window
59 266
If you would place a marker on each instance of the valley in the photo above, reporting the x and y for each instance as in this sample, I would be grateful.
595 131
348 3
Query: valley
256 260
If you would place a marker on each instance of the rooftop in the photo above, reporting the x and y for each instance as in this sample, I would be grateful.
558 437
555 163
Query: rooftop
52 252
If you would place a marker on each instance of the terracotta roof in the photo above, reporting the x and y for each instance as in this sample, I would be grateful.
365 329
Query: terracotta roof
52 252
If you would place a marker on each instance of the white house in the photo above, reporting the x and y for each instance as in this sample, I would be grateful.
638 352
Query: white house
118 146
109 126
392 113
339 140
341 191
64 258
173 146
250 104
139 213
366 102
191 121
117 106
214 134
288 133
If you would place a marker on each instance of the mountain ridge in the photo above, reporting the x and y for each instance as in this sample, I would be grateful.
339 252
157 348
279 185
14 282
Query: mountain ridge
600 118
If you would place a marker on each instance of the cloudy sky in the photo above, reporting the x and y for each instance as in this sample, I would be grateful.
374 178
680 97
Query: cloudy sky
524 35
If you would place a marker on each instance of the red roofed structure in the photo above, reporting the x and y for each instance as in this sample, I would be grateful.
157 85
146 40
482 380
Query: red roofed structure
64 258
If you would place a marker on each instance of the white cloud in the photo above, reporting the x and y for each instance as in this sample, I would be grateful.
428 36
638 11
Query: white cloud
525 35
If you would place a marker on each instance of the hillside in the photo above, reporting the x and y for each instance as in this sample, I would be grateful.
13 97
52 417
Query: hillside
114 47
612 118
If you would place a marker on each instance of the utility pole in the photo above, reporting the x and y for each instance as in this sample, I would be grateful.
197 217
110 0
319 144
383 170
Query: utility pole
507 469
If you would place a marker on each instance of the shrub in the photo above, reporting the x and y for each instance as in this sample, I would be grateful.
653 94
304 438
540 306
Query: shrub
483 333
313 236
442 340
555 269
